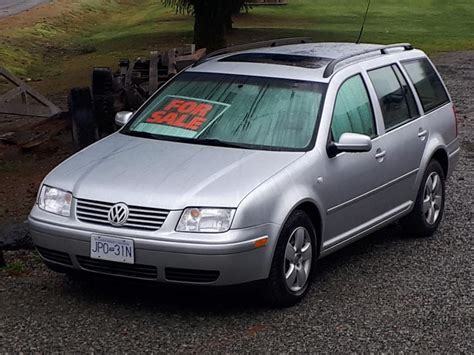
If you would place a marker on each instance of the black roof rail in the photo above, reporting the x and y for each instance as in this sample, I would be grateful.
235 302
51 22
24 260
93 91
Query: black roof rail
255 45
383 50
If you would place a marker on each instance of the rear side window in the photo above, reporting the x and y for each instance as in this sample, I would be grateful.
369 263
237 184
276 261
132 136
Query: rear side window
427 83
353 110
395 97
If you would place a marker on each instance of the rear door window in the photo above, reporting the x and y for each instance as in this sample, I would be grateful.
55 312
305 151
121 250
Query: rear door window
428 85
395 97
353 111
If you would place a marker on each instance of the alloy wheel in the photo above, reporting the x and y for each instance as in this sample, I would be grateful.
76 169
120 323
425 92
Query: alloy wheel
432 198
298 259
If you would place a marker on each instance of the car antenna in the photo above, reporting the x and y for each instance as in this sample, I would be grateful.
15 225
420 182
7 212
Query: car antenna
363 23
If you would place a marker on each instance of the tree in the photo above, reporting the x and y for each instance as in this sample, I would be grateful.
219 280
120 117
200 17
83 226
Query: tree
212 19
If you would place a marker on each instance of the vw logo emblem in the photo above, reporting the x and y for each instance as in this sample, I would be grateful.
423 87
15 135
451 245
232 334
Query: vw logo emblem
118 214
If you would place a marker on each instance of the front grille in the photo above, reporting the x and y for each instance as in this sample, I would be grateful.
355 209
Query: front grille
139 218
110 267
190 275
55 256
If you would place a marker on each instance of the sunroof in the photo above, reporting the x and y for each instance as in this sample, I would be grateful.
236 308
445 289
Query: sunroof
279 59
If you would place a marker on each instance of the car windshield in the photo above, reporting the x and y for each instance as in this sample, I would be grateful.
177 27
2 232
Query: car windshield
233 110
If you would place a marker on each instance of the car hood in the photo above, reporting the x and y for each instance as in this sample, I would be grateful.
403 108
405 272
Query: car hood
164 174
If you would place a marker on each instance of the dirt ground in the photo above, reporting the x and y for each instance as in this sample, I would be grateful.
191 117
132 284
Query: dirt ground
22 173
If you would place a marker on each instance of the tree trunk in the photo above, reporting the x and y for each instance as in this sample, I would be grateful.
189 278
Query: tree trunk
209 26
228 25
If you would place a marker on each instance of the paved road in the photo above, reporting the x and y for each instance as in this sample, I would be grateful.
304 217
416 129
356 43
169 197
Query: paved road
386 293
12 7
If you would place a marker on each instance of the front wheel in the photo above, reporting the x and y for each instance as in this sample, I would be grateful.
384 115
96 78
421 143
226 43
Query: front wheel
293 262
427 213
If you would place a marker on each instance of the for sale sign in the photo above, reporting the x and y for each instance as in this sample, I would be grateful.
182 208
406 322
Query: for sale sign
187 113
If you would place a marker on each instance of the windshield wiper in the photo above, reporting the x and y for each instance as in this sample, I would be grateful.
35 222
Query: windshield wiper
219 143
204 141
141 134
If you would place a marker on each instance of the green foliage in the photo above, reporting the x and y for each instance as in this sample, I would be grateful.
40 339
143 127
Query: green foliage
213 19
223 7
7 166
15 268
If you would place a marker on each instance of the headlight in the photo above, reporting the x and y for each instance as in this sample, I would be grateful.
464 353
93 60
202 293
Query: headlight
55 201
206 220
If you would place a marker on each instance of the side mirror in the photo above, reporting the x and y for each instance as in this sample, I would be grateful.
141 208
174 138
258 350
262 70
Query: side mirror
353 142
122 118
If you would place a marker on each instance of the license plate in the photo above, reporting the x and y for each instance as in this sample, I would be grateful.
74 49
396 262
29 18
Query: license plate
112 249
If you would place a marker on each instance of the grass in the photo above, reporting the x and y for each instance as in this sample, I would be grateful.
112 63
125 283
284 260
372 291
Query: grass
20 263
15 268
433 25
60 51
8 166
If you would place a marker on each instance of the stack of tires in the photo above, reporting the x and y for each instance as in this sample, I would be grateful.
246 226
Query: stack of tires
103 95
83 123
92 112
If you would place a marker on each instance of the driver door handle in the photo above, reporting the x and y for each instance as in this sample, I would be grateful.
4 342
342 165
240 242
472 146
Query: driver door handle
380 154
422 133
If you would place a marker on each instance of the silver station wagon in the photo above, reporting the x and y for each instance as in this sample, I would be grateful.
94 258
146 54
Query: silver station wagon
254 163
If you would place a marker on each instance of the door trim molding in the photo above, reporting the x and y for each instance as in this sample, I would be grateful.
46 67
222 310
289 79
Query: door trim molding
371 192
364 229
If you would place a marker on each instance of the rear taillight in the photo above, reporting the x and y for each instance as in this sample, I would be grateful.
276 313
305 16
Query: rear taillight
456 120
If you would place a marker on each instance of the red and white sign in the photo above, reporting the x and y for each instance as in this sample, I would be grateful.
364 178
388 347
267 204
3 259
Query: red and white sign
187 113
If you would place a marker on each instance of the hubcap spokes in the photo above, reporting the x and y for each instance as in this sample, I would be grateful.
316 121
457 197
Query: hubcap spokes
432 198
298 256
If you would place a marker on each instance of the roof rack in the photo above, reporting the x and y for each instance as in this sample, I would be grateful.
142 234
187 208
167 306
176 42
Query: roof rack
255 45
383 50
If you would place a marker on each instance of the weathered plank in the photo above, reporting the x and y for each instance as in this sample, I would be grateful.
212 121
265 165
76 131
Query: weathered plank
45 108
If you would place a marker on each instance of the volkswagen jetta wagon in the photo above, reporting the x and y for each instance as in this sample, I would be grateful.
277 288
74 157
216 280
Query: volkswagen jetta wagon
253 164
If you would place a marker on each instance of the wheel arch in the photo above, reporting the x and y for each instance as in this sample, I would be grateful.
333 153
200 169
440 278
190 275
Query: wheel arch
435 149
441 156
311 208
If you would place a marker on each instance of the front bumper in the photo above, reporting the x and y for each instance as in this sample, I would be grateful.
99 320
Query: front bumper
230 257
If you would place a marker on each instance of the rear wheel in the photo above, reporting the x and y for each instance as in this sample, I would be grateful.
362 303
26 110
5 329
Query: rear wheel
427 213
293 262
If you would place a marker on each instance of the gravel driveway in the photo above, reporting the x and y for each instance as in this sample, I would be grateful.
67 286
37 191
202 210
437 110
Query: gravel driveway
386 293
12 7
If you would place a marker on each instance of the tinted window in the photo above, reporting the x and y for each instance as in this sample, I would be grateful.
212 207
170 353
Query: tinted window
352 111
427 83
254 112
395 97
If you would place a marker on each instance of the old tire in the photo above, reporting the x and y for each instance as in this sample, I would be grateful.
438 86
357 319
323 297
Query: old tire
83 124
133 97
428 211
293 262
103 97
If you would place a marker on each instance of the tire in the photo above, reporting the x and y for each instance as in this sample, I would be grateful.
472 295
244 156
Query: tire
103 96
133 97
281 290
428 211
83 124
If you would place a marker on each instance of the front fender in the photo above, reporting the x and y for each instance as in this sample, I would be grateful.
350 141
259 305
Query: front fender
275 199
